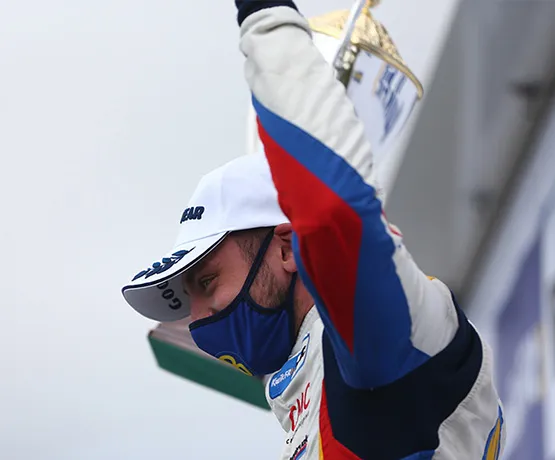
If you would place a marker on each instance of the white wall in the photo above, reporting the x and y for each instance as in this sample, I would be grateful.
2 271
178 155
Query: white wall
548 269
525 221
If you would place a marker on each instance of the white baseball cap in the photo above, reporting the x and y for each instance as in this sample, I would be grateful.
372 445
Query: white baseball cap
239 195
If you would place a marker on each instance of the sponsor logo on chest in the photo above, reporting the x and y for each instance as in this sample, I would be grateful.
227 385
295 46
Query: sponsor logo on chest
300 451
299 412
283 378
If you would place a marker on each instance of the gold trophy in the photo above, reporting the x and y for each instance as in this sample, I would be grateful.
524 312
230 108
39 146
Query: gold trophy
384 91
366 34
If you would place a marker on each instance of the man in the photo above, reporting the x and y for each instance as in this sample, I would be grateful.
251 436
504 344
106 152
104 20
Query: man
288 268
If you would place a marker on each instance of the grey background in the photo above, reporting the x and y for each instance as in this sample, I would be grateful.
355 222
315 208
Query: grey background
110 111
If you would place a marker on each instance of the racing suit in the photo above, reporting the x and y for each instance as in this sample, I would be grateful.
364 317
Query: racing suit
386 366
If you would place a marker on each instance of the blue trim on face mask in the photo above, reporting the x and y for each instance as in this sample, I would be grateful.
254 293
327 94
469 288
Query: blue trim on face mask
254 339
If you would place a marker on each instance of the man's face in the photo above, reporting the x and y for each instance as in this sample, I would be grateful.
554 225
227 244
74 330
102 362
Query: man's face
216 280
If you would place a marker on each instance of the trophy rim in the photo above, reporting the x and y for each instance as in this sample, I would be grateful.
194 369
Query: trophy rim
378 52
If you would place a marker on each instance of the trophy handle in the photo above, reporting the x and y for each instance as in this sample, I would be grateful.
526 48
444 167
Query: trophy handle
346 53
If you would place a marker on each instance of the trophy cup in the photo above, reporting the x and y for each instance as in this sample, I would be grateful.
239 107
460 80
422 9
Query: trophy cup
384 92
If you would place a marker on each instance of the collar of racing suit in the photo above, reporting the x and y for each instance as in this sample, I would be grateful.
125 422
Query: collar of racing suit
310 318
306 325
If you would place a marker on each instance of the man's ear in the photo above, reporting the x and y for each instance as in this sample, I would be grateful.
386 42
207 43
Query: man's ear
284 234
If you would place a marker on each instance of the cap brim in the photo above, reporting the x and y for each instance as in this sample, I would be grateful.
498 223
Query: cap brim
157 292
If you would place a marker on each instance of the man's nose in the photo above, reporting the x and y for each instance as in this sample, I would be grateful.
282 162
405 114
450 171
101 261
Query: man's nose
196 311
200 309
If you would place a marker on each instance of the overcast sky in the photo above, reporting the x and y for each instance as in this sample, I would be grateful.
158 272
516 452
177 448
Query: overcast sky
110 111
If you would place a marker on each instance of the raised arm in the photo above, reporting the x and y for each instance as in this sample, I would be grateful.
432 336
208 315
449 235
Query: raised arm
383 315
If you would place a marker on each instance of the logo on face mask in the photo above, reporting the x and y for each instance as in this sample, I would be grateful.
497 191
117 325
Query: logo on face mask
231 360
281 379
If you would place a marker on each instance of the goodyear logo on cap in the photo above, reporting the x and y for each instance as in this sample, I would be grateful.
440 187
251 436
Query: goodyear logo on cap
193 213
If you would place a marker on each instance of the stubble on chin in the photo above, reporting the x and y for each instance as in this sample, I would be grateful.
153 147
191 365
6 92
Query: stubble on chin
266 290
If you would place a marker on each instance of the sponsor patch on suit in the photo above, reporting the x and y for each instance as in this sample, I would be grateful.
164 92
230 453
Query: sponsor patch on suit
282 378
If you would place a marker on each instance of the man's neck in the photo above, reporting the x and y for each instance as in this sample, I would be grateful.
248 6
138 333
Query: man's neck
303 304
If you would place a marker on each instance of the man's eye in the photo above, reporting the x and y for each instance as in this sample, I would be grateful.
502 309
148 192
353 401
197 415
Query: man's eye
205 282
